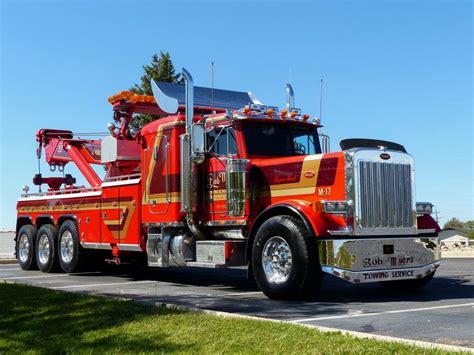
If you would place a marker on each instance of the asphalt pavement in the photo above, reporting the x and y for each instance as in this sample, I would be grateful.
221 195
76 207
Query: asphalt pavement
443 312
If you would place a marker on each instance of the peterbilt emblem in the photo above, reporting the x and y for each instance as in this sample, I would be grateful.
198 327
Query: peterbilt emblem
385 156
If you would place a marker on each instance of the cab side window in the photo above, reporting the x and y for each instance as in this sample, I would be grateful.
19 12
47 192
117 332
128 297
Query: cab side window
221 141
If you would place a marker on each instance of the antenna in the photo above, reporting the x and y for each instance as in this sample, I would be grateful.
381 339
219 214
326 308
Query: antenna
212 87
321 101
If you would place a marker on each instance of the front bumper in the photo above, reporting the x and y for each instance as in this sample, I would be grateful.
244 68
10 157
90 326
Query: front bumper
383 259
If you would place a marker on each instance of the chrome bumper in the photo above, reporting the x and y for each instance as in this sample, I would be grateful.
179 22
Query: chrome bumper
373 260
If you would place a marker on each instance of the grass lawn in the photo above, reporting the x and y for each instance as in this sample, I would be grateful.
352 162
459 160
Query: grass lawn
44 321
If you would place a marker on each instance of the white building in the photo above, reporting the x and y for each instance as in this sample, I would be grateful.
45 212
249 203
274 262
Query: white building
453 238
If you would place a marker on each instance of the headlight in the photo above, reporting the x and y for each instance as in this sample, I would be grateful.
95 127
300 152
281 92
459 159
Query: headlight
424 208
336 207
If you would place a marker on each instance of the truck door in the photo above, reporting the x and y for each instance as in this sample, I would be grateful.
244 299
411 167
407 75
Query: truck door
129 223
110 213
222 145
120 215
156 175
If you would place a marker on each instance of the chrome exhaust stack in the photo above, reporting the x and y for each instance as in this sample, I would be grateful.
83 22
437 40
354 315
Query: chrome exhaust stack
185 140
290 101
191 153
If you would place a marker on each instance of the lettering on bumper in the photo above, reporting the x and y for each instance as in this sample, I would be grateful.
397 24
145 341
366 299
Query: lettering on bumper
383 275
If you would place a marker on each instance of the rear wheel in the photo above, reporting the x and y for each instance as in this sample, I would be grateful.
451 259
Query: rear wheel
407 285
284 259
25 247
47 248
69 249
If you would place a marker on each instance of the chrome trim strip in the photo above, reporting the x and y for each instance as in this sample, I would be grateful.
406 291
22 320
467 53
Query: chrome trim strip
121 182
129 247
61 196
105 246
426 231
225 223
87 245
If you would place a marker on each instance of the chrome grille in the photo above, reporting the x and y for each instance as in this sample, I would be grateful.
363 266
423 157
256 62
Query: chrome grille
385 195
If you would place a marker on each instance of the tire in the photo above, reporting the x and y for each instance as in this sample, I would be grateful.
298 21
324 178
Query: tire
47 248
25 247
407 285
70 252
296 273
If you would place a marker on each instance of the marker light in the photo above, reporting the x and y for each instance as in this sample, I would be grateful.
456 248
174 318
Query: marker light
336 207
246 110
283 113
270 112
424 208
305 117
293 114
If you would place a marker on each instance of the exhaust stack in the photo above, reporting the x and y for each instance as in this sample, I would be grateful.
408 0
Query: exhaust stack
187 175
290 102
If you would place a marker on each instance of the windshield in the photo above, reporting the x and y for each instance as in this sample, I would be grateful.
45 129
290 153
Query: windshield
268 139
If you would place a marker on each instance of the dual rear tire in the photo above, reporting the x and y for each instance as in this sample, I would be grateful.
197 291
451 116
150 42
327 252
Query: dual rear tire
49 249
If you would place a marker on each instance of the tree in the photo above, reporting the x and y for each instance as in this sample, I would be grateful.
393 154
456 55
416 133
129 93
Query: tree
161 69
467 226
454 223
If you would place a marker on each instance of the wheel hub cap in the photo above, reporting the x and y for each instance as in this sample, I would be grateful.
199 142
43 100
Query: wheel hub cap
24 248
44 249
276 260
66 247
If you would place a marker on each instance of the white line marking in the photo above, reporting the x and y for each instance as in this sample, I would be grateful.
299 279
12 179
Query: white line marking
52 275
380 313
245 293
96 285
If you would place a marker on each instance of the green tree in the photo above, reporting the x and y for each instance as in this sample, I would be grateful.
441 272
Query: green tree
454 223
161 69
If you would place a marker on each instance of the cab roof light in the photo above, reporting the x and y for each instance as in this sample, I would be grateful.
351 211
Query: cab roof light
270 112
305 116
283 113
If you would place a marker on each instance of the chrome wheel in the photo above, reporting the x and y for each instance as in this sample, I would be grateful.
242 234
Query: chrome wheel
44 249
66 247
24 248
276 260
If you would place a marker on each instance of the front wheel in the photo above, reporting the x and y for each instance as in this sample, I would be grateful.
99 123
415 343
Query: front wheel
285 260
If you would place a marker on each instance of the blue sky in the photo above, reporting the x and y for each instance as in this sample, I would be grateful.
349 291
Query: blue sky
394 70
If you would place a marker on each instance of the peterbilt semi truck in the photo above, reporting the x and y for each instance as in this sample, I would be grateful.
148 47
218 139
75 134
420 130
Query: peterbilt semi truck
216 180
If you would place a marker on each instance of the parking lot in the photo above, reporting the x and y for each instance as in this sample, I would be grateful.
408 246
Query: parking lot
443 312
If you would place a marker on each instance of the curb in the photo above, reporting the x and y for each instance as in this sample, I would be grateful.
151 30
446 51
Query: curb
8 261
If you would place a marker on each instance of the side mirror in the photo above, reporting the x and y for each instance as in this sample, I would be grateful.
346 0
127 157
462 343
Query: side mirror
198 142
325 143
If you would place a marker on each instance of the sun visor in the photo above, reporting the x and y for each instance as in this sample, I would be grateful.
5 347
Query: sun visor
169 96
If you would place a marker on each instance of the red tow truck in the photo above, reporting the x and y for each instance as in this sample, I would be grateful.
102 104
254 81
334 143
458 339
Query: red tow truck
220 180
